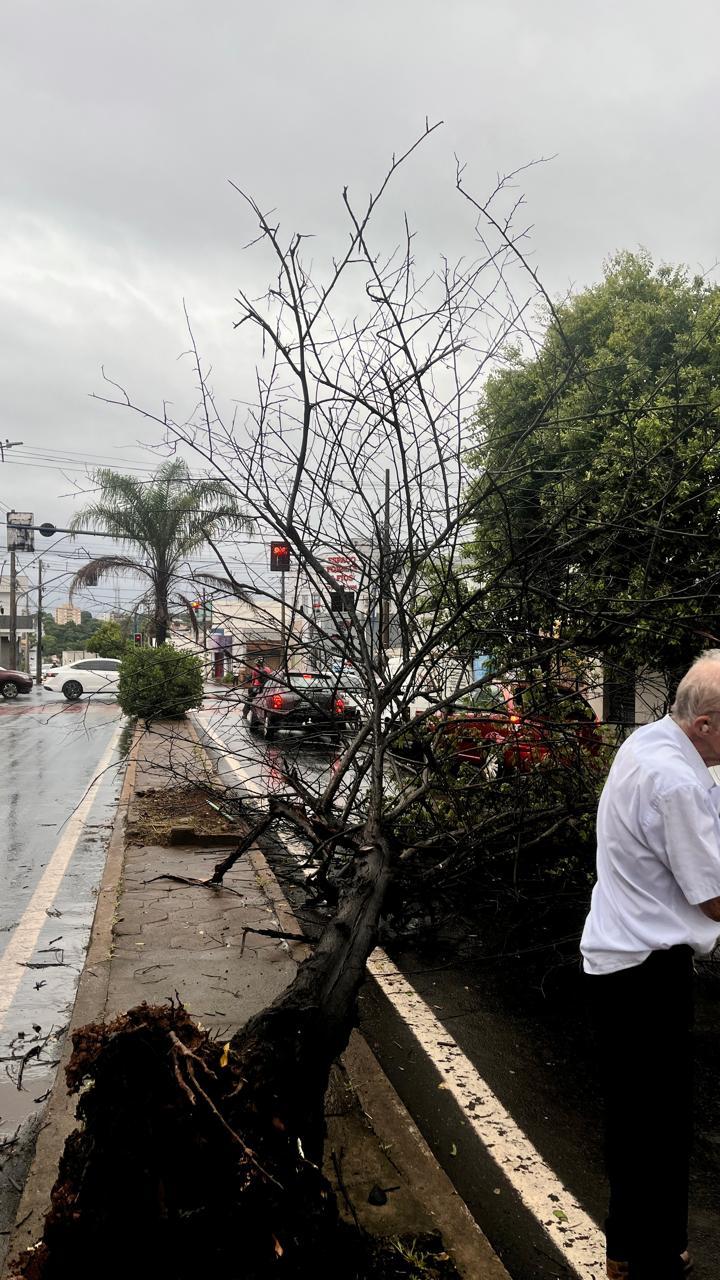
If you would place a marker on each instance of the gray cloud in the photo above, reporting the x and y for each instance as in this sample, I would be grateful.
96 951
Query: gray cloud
122 122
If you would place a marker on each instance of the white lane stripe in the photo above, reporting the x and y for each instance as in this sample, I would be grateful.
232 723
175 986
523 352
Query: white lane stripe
570 1228
235 763
541 1191
23 940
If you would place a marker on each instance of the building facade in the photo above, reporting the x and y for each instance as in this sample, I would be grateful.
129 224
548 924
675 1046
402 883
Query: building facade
25 627
67 613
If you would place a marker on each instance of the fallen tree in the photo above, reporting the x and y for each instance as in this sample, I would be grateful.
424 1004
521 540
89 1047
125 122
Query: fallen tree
355 457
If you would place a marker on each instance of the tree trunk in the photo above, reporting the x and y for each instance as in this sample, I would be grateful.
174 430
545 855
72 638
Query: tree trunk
289 1048
162 613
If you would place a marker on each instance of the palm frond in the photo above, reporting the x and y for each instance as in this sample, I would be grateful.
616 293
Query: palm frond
104 567
217 582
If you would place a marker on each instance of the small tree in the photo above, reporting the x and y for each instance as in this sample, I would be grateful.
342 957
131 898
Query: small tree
160 683
108 641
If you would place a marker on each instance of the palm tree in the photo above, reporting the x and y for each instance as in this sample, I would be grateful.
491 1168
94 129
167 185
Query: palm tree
164 521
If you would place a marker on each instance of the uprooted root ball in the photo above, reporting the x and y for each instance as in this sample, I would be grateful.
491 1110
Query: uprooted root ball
173 1173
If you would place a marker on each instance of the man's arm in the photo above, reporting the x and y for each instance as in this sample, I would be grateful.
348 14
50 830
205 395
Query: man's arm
711 908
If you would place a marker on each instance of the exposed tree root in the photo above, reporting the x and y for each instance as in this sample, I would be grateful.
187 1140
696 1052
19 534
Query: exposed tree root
181 1168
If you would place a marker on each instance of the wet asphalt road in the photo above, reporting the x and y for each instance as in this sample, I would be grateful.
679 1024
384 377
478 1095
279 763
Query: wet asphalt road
50 751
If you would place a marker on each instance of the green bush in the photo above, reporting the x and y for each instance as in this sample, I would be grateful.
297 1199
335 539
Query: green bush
159 683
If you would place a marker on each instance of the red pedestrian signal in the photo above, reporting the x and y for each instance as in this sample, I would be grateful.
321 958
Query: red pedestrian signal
279 557
138 637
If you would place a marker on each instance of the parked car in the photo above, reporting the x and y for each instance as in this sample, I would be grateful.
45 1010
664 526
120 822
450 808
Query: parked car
14 682
89 675
512 728
296 699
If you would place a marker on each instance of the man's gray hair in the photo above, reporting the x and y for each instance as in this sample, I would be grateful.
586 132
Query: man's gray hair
698 693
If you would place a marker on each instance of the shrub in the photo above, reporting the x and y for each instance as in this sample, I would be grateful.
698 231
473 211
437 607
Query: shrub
159 683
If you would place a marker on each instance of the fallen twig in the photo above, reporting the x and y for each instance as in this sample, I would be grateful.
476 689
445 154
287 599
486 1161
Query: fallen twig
246 843
271 933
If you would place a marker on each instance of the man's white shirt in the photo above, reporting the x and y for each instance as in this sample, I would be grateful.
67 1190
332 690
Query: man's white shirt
658 852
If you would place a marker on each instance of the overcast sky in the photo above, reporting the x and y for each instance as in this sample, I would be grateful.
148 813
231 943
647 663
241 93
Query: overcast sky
121 124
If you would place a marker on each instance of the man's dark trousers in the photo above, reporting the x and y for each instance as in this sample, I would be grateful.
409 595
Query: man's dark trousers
643 1023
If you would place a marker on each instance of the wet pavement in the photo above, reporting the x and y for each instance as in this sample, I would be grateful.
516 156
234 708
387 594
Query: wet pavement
59 790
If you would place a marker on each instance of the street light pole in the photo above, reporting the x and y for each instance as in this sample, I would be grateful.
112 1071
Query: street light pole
12 620
38 650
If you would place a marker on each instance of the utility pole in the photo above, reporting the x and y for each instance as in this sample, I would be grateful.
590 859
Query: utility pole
283 642
204 617
385 572
38 650
12 620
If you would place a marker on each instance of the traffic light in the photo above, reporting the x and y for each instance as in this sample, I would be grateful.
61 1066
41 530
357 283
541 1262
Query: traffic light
196 605
138 637
279 557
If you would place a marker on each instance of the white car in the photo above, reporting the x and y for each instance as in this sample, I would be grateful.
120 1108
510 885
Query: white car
89 675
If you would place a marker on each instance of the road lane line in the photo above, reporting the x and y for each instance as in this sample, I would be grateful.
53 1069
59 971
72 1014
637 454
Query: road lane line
235 763
552 1205
23 941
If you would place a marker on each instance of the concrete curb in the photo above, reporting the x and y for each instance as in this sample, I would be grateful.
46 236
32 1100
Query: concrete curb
470 1249
59 1118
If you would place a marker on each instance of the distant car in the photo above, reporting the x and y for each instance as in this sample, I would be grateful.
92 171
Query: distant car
297 699
14 682
89 675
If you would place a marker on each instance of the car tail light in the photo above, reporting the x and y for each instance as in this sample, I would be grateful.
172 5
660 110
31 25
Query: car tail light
339 706
276 701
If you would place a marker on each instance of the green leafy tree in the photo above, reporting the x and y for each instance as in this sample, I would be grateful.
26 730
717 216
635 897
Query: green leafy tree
597 486
162 522
159 683
108 641
69 635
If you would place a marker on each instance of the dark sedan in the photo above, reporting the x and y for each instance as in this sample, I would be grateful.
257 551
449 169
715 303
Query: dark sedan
298 699
14 682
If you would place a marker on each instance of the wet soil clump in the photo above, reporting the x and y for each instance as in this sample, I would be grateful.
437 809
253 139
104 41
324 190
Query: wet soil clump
159 814
179 1169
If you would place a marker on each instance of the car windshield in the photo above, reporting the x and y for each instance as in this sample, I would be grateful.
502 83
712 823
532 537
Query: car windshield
304 680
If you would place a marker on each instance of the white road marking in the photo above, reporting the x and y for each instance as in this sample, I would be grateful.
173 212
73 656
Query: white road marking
564 1221
541 1191
236 766
23 941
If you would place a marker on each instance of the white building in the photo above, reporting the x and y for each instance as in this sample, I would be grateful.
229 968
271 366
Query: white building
25 628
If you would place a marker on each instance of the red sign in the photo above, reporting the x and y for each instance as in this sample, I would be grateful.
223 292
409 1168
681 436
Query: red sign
344 569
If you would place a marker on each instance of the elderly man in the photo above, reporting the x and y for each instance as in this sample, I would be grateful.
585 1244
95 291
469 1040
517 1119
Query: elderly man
656 903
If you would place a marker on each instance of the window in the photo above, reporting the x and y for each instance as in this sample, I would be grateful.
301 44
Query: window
341 601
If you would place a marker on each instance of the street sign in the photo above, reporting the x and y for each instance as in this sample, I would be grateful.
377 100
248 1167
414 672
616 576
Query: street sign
20 531
279 557
344 569
47 530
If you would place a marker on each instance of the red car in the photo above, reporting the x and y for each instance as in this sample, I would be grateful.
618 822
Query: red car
296 699
14 682
511 728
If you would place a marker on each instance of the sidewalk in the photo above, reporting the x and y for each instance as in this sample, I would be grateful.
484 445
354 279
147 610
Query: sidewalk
154 938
